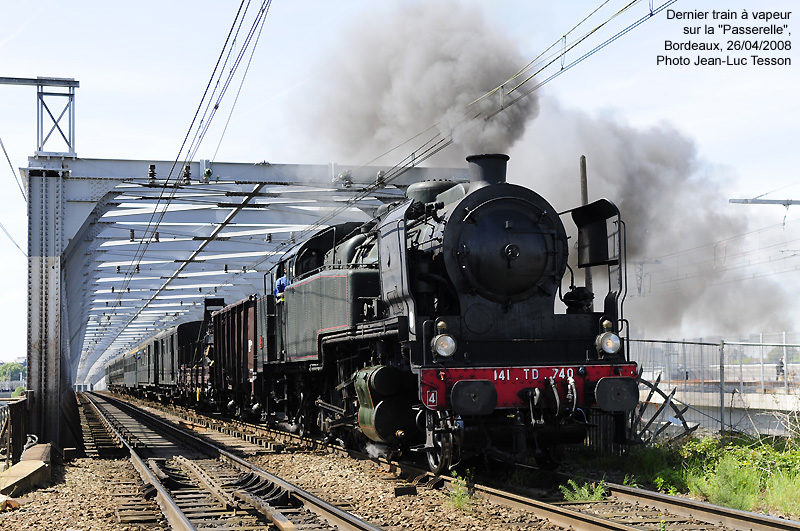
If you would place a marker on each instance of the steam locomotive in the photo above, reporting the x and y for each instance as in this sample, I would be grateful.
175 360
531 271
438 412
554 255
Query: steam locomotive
431 328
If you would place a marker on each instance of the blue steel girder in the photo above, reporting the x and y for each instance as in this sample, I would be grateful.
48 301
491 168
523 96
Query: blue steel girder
93 221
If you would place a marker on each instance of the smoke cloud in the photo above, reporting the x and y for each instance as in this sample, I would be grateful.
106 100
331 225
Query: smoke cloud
411 66
671 203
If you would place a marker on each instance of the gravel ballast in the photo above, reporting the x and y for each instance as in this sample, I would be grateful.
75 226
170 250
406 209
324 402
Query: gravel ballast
80 497
346 481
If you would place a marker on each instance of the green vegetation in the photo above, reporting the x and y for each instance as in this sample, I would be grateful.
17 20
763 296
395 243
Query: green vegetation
586 492
781 493
745 473
11 371
734 471
461 494
630 481
19 391
732 484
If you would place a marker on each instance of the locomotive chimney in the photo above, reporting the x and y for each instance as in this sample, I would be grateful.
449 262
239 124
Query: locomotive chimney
486 169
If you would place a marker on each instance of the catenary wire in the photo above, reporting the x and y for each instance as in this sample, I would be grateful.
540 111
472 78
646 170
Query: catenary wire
10 237
434 145
145 242
129 273
416 157
194 145
151 229
14 173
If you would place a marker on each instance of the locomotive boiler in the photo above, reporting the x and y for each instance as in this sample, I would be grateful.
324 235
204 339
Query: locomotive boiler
433 327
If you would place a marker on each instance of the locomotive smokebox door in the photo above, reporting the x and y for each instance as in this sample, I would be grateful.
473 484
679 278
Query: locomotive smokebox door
593 238
474 397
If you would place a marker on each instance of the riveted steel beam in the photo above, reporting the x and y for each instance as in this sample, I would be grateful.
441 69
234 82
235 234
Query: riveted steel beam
163 246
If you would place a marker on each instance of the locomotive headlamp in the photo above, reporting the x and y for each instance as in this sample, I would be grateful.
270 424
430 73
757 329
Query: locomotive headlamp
444 345
608 342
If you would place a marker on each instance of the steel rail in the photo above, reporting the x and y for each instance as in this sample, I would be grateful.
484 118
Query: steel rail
677 505
176 518
554 513
557 515
702 510
327 510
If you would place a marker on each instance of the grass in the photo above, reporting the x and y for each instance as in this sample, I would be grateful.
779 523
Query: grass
734 471
745 473
460 493
738 471
586 492
630 481
732 484
782 493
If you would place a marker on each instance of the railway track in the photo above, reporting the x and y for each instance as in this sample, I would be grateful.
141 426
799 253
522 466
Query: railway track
626 508
198 485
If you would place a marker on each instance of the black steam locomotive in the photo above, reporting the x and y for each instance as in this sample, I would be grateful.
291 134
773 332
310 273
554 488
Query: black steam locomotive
430 328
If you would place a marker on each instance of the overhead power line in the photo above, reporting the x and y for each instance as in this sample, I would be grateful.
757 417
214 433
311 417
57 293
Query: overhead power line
785 202
588 54
239 91
199 124
142 245
13 172
10 237
210 112
203 105
439 141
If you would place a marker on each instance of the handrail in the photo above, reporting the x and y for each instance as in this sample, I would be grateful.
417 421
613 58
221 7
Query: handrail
333 267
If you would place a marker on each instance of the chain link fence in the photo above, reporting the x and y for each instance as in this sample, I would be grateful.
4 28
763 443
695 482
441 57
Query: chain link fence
748 386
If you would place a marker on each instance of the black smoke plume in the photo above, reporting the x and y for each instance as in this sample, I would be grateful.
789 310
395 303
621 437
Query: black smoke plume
400 70
687 271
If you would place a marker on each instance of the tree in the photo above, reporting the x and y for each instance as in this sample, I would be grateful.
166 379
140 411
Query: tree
11 371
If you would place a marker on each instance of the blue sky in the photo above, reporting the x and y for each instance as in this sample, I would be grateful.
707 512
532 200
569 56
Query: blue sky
143 66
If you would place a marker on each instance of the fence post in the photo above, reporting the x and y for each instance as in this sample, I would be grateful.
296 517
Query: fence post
722 386
761 340
702 366
785 367
741 370
685 368
668 363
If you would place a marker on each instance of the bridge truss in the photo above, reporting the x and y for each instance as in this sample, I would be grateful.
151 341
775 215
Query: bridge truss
102 277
